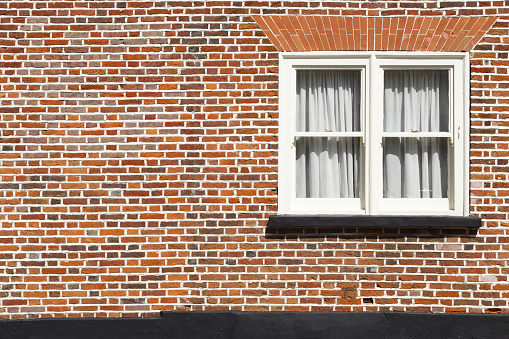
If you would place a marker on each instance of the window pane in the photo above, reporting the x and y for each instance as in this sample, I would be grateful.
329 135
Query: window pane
416 101
328 167
415 167
328 101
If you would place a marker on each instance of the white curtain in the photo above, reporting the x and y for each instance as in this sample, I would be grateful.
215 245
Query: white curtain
416 101
328 101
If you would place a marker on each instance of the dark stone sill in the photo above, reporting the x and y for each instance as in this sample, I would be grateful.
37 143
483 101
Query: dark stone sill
446 221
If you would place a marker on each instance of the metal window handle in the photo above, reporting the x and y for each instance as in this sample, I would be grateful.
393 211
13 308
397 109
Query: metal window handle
451 138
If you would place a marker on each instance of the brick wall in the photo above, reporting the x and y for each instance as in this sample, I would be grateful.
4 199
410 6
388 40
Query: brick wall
138 169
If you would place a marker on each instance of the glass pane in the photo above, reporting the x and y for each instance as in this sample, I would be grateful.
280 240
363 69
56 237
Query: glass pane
328 101
328 167
416 101
415 167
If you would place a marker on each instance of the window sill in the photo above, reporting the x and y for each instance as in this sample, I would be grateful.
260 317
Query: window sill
294 220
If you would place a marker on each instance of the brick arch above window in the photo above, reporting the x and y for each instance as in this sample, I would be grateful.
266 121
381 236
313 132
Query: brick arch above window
336 33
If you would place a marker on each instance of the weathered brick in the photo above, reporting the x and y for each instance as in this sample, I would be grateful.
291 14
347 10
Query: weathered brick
139 166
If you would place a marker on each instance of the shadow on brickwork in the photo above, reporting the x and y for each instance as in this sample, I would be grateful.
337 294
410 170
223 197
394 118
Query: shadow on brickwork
266 325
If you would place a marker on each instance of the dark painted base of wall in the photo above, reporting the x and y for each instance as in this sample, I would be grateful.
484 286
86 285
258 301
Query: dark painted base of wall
266 325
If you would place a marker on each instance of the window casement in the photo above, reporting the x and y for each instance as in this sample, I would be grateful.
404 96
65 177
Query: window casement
373 133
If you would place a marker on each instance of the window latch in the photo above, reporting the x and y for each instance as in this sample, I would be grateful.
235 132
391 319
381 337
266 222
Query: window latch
451 138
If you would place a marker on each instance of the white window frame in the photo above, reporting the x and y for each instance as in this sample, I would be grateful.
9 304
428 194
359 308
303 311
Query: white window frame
372 66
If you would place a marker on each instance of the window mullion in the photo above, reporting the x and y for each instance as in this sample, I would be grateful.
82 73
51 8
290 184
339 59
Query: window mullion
373 129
